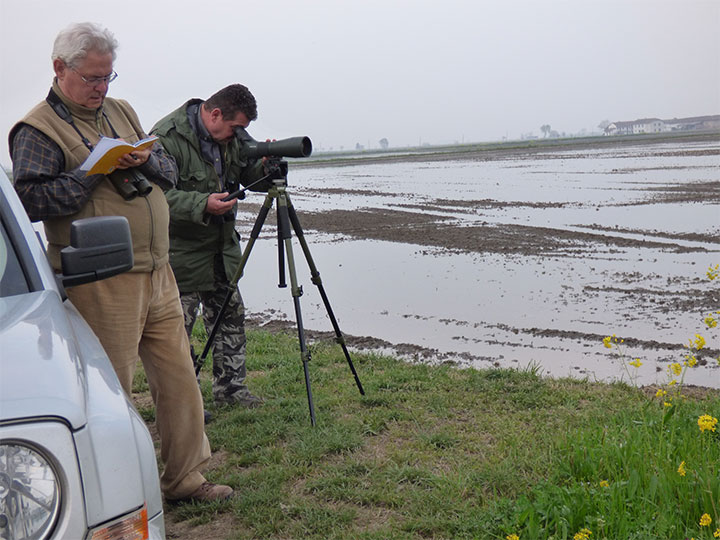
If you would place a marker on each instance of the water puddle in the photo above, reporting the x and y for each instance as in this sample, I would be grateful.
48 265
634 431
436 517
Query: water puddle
631 259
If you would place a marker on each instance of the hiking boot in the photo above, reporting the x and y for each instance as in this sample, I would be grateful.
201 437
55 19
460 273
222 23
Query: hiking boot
208 492
248 400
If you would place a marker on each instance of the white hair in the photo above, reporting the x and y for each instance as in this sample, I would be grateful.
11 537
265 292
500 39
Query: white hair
75 42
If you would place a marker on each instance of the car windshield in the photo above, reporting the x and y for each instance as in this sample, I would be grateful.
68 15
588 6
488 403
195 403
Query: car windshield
12 277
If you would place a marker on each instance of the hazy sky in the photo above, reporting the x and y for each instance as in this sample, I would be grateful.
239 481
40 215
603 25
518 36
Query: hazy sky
412 71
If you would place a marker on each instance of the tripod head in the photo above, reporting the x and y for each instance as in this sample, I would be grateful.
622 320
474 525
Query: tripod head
276 171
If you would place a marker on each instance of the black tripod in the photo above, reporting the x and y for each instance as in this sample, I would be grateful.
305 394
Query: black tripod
286 217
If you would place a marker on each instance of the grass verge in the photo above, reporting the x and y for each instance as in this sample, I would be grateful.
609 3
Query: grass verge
441 452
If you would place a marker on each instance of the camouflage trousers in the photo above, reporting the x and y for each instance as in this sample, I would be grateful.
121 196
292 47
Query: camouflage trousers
228 350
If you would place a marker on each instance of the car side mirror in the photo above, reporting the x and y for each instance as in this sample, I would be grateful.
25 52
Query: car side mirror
100 247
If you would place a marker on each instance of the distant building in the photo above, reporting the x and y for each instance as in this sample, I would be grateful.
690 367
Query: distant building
648 125
694 123
655 125
619 128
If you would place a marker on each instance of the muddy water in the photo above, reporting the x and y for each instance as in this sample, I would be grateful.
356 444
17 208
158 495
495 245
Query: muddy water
524 259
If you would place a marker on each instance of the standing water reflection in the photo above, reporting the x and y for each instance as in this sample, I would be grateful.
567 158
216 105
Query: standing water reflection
525 259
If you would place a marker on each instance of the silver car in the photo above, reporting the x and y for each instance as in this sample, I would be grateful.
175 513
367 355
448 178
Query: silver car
76 460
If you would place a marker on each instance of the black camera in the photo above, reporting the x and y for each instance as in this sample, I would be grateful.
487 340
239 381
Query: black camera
130 183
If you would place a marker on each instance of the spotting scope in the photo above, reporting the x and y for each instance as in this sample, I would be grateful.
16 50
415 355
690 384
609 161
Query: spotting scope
292 147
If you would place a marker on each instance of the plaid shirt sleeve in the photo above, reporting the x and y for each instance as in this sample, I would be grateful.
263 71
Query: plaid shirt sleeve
44 189
160 168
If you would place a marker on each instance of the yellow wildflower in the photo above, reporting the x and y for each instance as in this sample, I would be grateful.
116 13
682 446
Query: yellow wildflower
667 404
716 534
660 392
681 469
676 368
711 321
707 422
604 483
713 272
691 360
705 520
673 382
607 342
636 363
698 343
582 534
512 537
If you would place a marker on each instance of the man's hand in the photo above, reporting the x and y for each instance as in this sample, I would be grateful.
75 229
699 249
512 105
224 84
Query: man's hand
216 206
133 159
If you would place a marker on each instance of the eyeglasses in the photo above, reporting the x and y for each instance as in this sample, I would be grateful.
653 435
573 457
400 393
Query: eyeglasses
95 81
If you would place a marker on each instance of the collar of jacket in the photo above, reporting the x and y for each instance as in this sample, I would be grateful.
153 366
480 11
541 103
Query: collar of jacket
184 127
196 123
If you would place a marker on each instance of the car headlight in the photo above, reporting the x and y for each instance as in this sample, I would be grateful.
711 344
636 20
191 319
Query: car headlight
29 492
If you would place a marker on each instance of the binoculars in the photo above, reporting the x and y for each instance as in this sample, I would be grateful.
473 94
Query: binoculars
130 183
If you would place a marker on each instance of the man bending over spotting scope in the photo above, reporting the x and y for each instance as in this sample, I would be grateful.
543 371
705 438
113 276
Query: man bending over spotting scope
215 156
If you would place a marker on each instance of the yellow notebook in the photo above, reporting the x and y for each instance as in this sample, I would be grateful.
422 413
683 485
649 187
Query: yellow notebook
103 159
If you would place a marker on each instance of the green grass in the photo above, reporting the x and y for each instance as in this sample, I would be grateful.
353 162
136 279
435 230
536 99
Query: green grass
441 452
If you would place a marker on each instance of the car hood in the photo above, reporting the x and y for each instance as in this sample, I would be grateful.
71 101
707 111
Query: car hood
40 371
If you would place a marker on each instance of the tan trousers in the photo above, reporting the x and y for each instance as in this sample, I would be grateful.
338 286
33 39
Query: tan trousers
138 315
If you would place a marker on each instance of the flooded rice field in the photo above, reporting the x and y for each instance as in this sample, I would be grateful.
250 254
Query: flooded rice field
518 258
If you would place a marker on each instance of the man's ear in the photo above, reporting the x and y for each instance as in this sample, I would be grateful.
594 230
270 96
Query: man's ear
60 68
216 114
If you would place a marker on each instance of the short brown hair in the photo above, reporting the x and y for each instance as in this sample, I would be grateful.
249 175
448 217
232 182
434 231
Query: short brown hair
231 100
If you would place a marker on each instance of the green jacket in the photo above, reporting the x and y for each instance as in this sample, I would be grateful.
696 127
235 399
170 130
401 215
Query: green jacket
194 241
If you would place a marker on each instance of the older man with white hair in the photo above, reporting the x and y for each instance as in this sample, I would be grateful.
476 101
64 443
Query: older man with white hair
136 314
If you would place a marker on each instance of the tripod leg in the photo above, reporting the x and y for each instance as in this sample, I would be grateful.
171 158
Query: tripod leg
213 332
315 278
284 233
254 234
282 229
305 355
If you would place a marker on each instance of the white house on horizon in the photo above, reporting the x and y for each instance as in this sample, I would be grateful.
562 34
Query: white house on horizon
656 125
